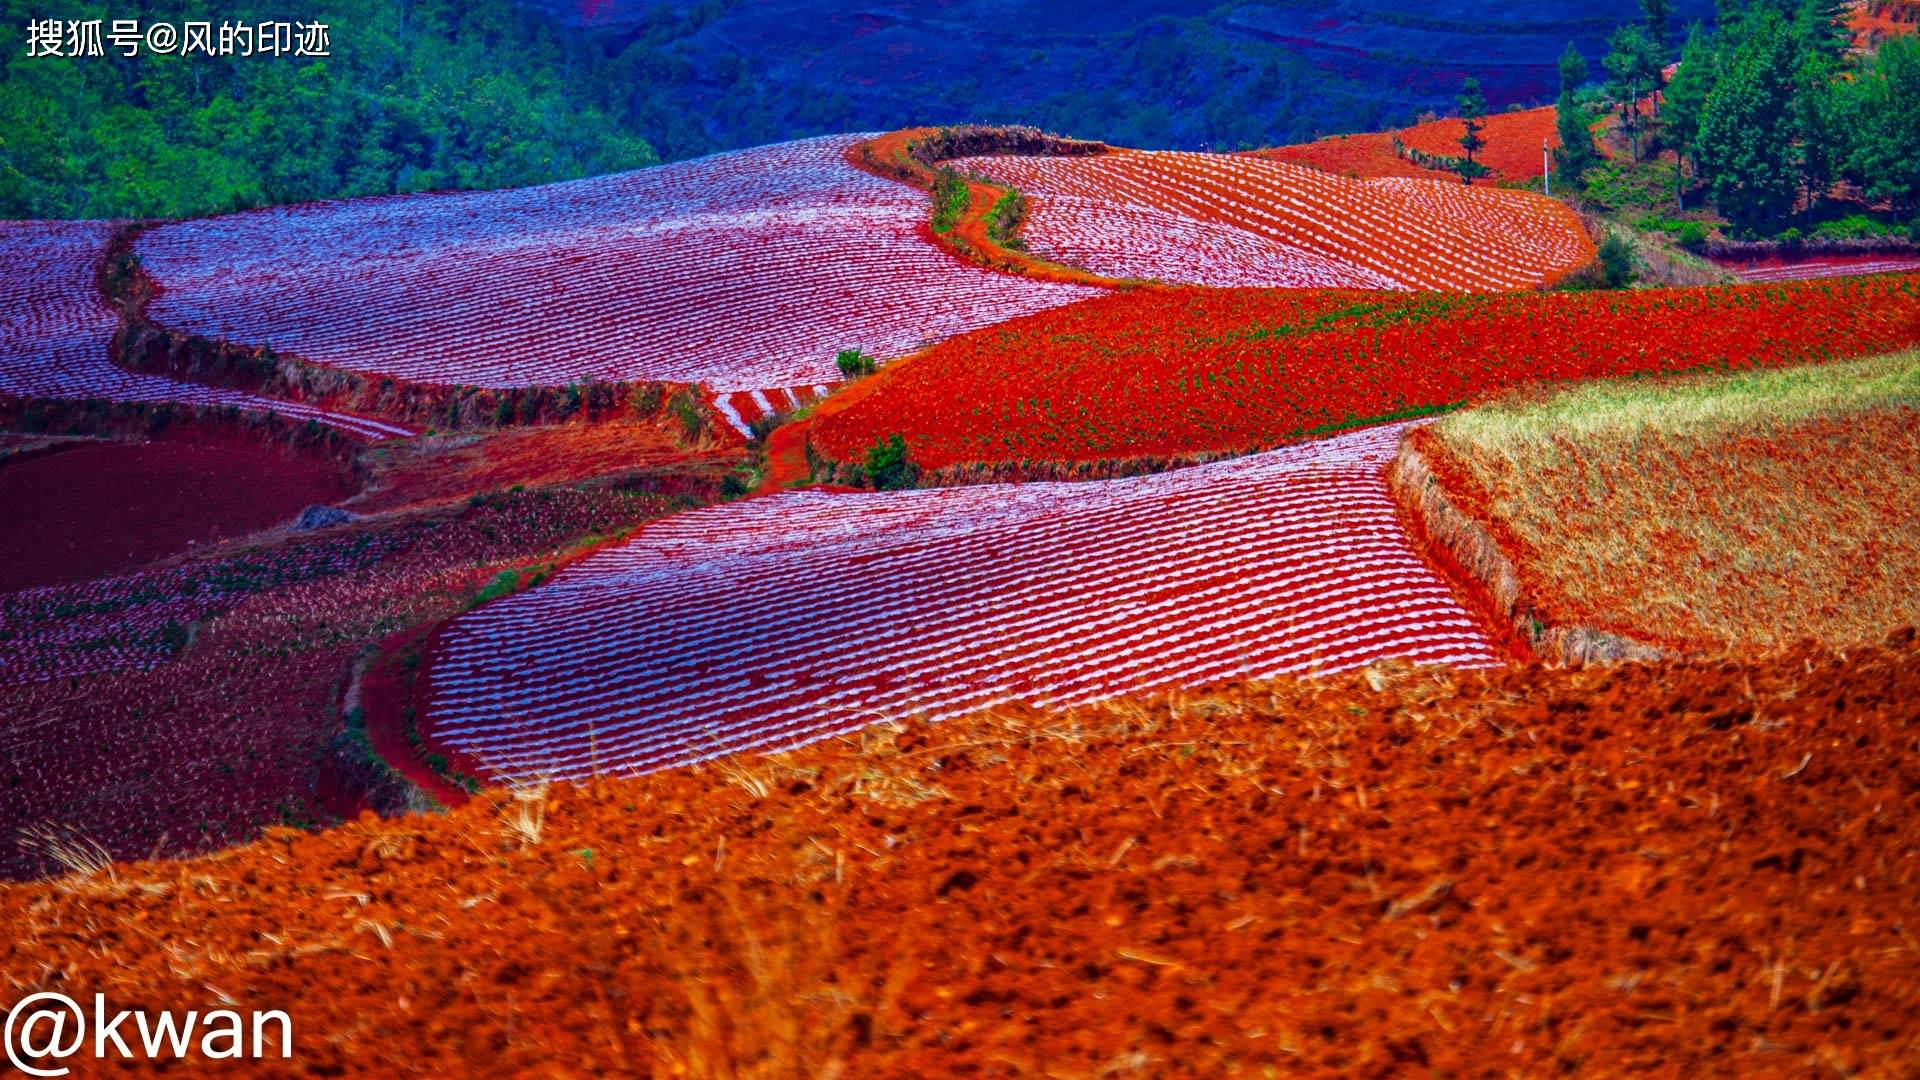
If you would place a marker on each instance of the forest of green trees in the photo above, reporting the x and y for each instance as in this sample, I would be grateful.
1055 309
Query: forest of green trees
1766 112
417 95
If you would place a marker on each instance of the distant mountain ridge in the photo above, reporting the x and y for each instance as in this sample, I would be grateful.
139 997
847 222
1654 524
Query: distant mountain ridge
1139 72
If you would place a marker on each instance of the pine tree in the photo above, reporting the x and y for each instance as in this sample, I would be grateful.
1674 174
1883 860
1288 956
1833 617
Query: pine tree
1687 96
1473 117
1659 30
1822 26
1576 154
1632 70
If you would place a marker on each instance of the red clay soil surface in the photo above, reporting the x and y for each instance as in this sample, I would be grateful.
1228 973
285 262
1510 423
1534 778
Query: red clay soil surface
1366 155
1751 538
1697 869
101 508
1512 150
434 469
1513 141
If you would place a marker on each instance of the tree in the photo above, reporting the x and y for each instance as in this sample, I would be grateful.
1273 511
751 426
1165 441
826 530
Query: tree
1658 19
1818 123
1822 26
1633 69
1687 96
1882 111
1746 143
1576 154
1473 118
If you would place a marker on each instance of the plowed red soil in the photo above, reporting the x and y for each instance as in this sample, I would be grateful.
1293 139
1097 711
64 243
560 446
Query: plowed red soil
101 508
1365 156
430 470
1697 869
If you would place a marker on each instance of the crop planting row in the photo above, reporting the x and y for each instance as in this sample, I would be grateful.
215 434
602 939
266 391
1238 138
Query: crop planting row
1313 229
1185 371
55 329
139 620
743 407
771 622
741 271
1823 266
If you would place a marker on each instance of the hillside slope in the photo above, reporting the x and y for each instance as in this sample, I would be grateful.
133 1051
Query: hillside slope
1152 73
56 327
1732 511
740 272
1233 220
1701 869
779 620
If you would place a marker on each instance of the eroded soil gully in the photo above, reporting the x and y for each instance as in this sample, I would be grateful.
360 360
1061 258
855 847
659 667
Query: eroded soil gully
1469 554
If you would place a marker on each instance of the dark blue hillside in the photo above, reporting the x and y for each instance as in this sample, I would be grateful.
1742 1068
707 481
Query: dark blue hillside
1140 72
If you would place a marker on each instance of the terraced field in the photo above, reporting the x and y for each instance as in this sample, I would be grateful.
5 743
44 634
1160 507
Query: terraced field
1822 266
1220 219
777 621
55 328
742 272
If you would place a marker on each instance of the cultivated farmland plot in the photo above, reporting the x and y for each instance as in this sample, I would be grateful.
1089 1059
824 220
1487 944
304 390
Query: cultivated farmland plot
743 271
1225 220
1824 266
136 621
55 328
771 622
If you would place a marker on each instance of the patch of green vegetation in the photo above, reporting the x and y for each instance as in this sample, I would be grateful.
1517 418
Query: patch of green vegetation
414 97
950 198
853 363
685 406
888 465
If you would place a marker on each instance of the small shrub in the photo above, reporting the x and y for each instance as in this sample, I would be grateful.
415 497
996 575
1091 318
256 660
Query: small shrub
853 363
686 409
888 467
1852 227
647 400
950 198
1617 261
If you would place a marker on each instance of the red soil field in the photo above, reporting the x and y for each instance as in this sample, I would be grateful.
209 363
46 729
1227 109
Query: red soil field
1698 869
1513 141
1366 155
105 507
1231 220
1183 372
1512 150
162 748
422 472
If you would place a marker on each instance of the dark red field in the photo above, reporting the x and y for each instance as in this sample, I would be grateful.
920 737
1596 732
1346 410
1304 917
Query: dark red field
99 508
